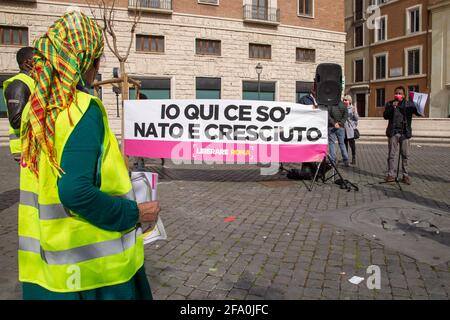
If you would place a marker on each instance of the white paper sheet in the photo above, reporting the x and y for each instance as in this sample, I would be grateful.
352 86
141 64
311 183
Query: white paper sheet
145 189
356 280
420 99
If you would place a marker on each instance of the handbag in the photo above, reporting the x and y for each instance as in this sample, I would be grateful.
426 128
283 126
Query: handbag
356 134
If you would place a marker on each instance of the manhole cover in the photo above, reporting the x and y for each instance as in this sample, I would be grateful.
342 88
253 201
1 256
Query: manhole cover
417 231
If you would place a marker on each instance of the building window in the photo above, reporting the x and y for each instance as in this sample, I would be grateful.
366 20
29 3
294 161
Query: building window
379 2
381 97
152 88
14 36
207 88
359 70
208 47
305 55
413 19
359 10
413 57
260 51
359 36
209 2
302 88
380 32
250 90
98 77
147 43
306 8
380 67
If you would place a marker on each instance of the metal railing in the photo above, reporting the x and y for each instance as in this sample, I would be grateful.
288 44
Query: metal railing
252 12
150 4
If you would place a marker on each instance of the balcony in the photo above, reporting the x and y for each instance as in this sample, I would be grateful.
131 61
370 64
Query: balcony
153 6
264 15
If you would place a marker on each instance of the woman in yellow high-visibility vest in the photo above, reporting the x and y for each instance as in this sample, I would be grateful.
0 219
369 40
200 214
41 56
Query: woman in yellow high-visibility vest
79 227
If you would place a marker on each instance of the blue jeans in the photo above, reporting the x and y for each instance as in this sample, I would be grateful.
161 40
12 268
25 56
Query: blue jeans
339 135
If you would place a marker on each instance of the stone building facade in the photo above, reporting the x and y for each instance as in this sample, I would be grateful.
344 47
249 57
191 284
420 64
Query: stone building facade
395 53
440 58
297 34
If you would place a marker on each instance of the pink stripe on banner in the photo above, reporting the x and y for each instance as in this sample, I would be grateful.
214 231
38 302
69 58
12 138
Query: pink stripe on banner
225 152
153 181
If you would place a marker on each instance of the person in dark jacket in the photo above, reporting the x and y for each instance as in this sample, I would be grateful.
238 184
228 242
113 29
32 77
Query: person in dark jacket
399 112
309 99
337 117
18 93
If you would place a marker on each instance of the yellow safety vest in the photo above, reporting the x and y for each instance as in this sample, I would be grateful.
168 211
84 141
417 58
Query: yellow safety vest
14 134
58 249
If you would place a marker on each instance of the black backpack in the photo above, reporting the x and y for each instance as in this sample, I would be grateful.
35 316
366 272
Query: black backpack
308 171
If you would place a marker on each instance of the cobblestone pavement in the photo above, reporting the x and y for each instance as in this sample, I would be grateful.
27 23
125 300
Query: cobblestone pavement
274 249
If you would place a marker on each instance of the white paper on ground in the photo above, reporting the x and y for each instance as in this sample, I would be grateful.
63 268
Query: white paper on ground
145 189
356 280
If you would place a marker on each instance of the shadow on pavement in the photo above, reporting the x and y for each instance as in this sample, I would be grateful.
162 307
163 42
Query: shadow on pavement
8 198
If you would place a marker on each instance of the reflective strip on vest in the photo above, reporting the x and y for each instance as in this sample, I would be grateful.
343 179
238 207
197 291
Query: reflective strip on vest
46 211
14 136
83 253
53 211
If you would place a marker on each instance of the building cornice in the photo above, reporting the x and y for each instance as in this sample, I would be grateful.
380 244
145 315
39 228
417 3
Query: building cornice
417 34
381 6
374 44
358 85
363 48
341 33
398 78
439 5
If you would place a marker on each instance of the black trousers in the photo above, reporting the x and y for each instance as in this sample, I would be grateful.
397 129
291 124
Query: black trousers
352 144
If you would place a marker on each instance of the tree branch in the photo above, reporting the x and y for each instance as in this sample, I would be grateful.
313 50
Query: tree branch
107 10
137 18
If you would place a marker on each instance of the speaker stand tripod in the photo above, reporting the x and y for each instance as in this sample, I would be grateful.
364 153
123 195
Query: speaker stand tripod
345 183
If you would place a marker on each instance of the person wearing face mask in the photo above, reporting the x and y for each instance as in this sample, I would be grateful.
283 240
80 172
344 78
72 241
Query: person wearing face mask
350 126
399 112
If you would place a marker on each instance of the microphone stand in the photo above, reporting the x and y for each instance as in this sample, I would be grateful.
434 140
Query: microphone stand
346 184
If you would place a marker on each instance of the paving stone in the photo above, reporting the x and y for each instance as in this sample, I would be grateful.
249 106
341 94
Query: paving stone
258 290
237 294
203 252
184 291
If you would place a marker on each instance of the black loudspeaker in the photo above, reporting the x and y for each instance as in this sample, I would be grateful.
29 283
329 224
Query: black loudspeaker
328 83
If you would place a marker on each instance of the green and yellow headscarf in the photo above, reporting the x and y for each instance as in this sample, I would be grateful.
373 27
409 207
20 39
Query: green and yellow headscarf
63 55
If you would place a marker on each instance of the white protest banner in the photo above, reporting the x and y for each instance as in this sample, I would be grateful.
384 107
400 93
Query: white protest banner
420 99
225 131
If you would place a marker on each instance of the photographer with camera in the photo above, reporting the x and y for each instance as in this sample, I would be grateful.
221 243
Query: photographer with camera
399 112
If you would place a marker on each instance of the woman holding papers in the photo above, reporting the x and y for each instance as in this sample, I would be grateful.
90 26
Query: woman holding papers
79 234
